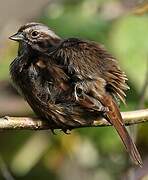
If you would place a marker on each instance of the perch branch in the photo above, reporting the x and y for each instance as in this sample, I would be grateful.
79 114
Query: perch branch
28 123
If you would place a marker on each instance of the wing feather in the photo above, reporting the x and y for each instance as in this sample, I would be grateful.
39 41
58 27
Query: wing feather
89 60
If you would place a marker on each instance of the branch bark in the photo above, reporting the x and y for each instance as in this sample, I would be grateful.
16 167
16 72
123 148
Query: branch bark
28 123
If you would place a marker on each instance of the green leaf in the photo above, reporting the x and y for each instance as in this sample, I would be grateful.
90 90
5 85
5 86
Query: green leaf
129 40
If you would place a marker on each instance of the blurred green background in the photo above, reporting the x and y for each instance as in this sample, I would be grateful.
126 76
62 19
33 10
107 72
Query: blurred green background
89 153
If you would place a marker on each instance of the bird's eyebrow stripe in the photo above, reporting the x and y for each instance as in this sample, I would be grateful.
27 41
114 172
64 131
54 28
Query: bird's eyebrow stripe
28 26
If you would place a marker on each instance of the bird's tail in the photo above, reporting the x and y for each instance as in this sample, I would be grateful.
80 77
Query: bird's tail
115 118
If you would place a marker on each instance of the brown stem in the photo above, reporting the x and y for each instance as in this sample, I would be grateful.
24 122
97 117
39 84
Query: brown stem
28 123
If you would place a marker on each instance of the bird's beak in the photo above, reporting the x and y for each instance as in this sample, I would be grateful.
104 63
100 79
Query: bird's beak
17 37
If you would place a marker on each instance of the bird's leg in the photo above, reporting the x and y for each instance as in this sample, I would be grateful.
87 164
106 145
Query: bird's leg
53 131
66 131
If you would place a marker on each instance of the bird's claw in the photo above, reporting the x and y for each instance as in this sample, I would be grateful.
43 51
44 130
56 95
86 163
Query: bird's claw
53 131
66 131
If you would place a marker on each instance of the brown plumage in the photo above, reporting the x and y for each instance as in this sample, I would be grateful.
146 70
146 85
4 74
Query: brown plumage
69 82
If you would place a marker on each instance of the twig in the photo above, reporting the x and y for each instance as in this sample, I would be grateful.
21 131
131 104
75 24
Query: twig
28 123
5 170
144 90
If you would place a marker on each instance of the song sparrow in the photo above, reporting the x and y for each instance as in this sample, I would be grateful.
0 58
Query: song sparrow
69 82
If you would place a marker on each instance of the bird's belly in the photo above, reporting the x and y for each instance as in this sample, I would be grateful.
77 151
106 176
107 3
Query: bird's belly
49 103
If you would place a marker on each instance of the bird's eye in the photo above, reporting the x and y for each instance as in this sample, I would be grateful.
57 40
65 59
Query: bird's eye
34 34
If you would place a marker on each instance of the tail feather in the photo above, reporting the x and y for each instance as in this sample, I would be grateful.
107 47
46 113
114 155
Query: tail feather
114 117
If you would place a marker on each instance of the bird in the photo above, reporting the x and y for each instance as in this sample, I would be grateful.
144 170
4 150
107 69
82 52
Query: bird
70 82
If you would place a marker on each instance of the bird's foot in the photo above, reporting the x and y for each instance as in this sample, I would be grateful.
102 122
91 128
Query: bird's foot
66 131
53 131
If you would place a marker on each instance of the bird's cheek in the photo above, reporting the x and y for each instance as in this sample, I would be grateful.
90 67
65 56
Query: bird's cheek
35 46
42 46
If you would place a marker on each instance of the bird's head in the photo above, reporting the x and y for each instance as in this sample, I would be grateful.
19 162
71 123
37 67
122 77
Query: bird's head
37 36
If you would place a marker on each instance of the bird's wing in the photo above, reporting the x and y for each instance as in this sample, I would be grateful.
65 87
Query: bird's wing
97 74
89 60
